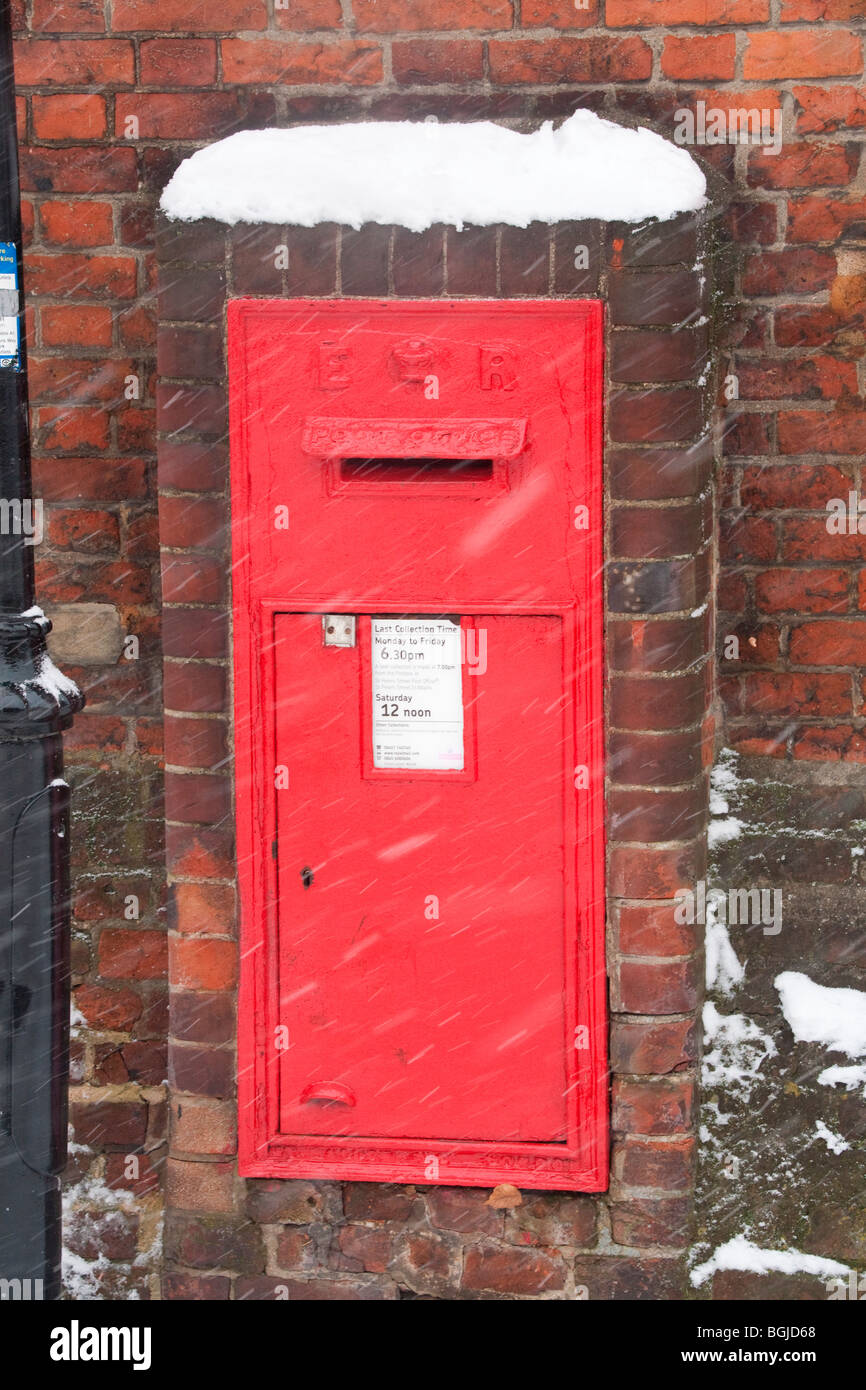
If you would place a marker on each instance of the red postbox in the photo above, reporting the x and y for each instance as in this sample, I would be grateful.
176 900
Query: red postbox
417 523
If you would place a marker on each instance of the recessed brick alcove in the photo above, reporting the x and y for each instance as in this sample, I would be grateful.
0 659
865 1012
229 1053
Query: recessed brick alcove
228 1237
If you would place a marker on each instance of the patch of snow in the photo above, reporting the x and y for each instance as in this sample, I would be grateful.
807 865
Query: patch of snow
723 829
723 969
734 1051
836 1018
699 612
53 681
849 1077
417 173
835 1143
740 1253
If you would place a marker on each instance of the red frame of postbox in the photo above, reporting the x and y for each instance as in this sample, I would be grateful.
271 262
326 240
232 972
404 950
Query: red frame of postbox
581 1164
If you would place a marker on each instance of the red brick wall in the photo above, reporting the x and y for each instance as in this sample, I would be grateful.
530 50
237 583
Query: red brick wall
230 1238
191 72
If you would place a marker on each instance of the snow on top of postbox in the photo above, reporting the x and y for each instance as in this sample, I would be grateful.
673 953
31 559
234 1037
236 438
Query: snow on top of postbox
417 173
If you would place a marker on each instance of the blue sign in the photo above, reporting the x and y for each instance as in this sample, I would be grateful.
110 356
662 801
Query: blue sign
10 324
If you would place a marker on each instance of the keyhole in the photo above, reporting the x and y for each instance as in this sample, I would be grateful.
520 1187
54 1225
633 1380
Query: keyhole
306 876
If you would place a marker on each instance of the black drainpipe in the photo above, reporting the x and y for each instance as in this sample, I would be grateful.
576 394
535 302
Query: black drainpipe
36 703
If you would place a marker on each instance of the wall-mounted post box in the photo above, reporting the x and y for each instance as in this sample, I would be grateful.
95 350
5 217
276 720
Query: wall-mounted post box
417 530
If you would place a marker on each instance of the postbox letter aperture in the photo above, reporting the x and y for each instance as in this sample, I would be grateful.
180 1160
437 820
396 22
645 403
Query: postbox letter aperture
420 654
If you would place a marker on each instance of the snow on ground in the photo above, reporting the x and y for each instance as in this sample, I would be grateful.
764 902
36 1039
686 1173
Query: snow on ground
723 969
417 173
836 1018
740 1253
734 1050
835 1143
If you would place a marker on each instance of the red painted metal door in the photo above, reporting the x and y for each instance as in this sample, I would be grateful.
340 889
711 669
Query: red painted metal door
420 855
422 959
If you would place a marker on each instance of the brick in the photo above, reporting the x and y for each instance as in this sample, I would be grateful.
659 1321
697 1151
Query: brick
524 260
806 165
551 14
198 963
178 115
375 1202
418 261
202 1070
644 815
659 532
471 255
191 466
86 479
651 929
654 759
197 798
712 56
633 13
202 907
654 1047
554 61
76 325
193 1288
178 62
786 694
214 1242
820 378
657 474
463 1209
69 62
263 61
798 270
126 954
841 743
308 15
832 53
667 1164
652 1107
114 1009
202 1018
194 15
658 986
510 1271
659 586
419 62
833 642
824 218
654 416
70 116
364 260
192 578
807 431
651 872
140 1177
195 743
296 1202
78 169
198 295
805 591
199 851
348 1289
822 110
194 354
101 1123
83 528
659 297
652 1221
666 644
195 688
73 17
553 1219
74 276
111 1234
78 379
657 356
198 1186
365 1248
401 16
